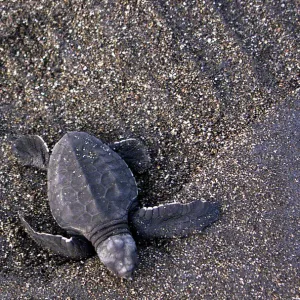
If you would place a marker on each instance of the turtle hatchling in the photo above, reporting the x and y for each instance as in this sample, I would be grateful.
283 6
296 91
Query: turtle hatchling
93 196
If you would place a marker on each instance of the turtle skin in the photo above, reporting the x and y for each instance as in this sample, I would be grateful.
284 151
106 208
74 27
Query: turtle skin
93 196
90 187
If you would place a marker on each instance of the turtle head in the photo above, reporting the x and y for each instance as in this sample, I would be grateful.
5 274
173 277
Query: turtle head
119 254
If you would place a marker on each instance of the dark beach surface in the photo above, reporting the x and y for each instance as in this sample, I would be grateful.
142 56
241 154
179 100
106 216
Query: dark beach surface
211 87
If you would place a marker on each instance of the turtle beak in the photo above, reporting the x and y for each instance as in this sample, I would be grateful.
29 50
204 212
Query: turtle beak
127 275
119 254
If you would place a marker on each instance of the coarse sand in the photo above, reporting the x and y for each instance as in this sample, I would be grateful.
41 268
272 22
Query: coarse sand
211 87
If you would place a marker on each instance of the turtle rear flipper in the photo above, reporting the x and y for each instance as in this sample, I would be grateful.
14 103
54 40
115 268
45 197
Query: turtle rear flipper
174 219
135 154
31 150
74 247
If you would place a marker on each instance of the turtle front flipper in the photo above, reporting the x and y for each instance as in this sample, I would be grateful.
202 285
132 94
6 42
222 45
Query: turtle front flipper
31 150
174 219
74 247
135 154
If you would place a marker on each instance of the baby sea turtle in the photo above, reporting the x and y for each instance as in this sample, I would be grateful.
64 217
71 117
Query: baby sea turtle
93 196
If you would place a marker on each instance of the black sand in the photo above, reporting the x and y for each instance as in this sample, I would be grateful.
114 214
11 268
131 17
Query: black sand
212 87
